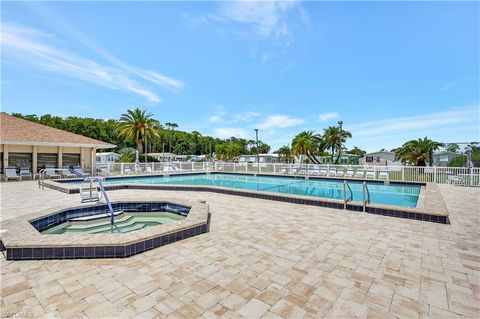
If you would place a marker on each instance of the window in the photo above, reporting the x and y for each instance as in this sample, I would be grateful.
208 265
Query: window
369 159
1 162
44 159
99 158
70 160
378 159
20 160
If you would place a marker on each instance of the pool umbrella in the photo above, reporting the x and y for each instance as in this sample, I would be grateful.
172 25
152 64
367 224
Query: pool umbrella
469 157
137 161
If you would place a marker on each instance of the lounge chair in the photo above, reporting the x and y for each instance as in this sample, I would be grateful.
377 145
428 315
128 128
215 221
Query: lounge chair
370 173
323 172
332 172
25 172
104 172
50 172
315 171
340 173
455 179
283 170
11 173
78 171
350 172
65 172
149 170
360 173
383 174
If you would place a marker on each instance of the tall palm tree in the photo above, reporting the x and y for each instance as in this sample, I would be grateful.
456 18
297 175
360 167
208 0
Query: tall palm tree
417 152
136 124
172 127
306 143
334 139
285 153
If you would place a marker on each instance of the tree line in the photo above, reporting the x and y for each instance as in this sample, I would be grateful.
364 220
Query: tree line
133 126
130 130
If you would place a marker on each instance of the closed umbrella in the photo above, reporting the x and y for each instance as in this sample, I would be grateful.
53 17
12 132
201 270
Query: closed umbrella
469 152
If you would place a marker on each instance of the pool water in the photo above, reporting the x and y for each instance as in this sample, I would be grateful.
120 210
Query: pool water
392 194
124 223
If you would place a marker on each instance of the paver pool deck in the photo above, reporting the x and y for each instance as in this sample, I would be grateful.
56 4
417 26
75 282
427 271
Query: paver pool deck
261 259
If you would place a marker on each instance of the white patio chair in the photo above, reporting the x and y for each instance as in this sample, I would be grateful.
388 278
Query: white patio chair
50 172
11 173
360 173
332 171
350 172
383 174
370 173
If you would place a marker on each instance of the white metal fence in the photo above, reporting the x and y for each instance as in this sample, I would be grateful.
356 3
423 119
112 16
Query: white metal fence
435 174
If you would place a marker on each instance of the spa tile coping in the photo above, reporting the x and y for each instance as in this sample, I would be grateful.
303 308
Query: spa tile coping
21 232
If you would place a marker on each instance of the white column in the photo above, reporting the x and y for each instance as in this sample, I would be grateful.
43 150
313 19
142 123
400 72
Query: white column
34 159
60 157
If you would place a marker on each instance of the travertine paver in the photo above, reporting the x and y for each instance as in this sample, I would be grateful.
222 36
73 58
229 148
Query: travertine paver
262 259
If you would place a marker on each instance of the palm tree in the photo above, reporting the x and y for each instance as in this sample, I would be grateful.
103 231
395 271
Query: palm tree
136 124
285 153
417 152
334 139
306 143
357 151
172 127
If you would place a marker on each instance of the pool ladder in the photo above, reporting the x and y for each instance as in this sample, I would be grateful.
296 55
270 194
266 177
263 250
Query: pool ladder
89 190
366 196
346 186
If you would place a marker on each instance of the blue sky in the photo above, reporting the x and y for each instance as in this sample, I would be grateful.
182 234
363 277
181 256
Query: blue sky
390 71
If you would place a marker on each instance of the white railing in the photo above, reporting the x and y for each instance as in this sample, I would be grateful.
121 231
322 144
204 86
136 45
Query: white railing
442 175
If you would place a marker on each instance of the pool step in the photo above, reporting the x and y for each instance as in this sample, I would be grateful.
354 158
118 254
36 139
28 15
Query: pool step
127 224
104 224
89 218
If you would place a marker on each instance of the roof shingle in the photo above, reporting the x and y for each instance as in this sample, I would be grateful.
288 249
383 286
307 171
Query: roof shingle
14 130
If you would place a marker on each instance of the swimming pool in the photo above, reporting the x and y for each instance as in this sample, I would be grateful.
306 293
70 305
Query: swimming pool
395 194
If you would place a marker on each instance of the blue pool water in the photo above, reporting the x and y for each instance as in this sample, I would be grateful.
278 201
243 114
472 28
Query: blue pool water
393 194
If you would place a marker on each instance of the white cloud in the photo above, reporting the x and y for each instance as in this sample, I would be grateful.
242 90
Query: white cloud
447 86
457 116
214 118
226 132
265 22
267 18
29 45
328 116
244 117
279 121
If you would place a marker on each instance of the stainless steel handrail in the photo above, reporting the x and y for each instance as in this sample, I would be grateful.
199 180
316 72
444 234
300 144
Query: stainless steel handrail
366 196
41 178
346 186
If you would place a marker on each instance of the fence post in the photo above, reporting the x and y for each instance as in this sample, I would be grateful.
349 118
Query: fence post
435 174
403 173
246 167
274 168
121 168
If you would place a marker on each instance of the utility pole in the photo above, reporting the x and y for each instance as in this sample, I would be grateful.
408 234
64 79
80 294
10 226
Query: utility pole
340 123
210 147
258 159
145 131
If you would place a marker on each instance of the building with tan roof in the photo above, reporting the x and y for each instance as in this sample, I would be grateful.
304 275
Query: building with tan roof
25 143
